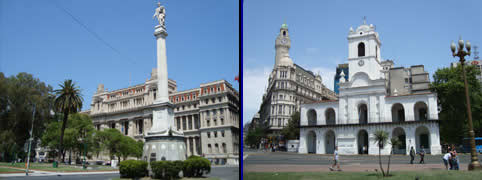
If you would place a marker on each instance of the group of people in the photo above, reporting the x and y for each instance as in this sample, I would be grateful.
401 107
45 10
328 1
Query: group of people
451 159
421 153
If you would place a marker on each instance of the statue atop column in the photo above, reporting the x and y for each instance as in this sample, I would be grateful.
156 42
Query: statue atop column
160 14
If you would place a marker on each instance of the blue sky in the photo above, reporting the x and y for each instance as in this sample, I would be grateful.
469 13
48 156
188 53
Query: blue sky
39 38
411 32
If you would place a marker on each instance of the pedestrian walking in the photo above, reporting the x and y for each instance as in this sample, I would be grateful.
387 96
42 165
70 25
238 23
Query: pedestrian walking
446 159
422 155
412 155
336 161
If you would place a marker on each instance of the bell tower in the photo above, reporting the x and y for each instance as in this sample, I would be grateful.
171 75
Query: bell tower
282 46
364 51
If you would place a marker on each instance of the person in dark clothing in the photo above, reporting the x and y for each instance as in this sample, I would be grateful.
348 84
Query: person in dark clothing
412 155
422 154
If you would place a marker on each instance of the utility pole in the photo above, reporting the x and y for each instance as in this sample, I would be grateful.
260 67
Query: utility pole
30 143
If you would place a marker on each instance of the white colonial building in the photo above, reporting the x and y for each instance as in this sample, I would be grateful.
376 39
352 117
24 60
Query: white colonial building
366 104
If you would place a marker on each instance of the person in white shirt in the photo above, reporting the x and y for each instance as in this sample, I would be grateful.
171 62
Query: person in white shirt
336 161
446 159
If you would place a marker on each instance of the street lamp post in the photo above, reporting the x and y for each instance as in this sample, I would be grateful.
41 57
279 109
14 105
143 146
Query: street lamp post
30 142
474 164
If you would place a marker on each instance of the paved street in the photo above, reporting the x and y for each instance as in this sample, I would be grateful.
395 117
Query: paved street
321 159
222 172
293 162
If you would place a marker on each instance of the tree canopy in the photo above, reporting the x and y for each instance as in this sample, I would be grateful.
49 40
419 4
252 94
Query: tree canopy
449 85
292 130
18 94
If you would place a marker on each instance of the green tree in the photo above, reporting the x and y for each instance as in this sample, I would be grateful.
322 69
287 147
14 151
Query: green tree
449 85
137 152
68 100
18 94
381 138
80 127
292 130
254 136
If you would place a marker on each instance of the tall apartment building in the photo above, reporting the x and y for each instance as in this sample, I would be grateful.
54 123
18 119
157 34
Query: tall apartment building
289 86
208 116
403 81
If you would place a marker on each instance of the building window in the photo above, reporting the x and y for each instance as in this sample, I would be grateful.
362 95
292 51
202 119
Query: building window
208 123
98 127
140 126
210 150
224 148
222 133
361 49
215 134
216 147
112 125
209 134
126 127
178 123
184 123
222 121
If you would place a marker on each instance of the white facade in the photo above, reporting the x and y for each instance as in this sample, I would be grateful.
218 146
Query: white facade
364 106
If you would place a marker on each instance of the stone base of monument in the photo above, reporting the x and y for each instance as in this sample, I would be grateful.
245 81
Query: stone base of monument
159 148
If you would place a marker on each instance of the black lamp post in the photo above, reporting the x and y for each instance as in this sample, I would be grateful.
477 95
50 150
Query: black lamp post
474 164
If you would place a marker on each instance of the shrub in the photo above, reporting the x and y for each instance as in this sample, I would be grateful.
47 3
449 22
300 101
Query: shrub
133 169
166 169
196 166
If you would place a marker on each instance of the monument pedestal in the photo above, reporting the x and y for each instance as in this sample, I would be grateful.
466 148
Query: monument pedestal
163 142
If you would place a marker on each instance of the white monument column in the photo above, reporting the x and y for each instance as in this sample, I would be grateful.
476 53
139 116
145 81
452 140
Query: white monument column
163 141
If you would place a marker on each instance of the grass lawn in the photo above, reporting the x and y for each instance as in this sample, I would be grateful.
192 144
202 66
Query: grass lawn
9 170
422 175
61 168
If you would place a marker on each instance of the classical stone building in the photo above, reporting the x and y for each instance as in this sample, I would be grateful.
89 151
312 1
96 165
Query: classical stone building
376 97
289 85
208 116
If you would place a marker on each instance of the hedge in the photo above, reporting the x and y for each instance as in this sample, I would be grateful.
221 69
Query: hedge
166 169
133 169
196 166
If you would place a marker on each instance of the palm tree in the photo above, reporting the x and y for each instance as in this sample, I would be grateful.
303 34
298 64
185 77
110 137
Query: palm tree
68 101
380 139
395 143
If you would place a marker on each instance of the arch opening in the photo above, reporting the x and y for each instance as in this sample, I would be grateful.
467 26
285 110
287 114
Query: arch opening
330 142
330 116
400 134
311 142
362 142
421 111
398 113
311 114
361 49
422 139
363 114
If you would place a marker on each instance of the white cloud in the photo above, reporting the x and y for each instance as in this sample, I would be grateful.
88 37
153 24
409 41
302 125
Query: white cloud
255 81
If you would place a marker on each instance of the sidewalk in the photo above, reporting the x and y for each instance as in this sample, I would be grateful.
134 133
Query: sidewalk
345 167
49 173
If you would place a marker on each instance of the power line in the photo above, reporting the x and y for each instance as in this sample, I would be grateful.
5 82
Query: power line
97 36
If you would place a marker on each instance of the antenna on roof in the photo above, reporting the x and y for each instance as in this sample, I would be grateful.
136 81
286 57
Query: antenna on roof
476 53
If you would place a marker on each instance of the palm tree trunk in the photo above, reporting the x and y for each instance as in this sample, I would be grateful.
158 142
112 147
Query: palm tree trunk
389 157
380 160
61 148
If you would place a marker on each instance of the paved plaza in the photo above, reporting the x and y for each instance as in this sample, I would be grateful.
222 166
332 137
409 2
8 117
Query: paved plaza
221 172
293 162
